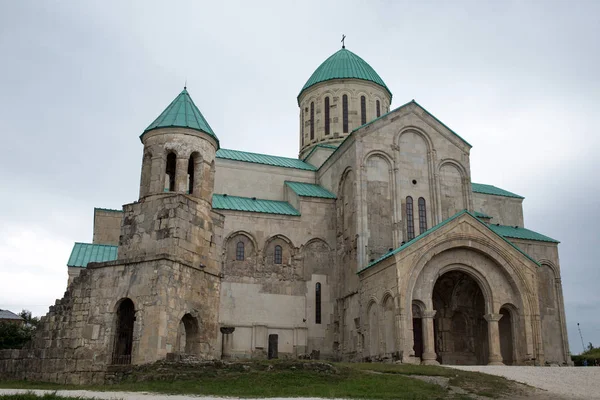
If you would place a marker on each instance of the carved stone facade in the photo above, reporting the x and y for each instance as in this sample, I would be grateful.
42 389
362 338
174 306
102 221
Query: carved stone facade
390 252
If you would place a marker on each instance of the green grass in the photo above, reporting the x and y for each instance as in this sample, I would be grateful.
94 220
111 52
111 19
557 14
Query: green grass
31 396
280 379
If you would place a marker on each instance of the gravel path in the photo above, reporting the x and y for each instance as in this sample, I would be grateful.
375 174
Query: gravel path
568 382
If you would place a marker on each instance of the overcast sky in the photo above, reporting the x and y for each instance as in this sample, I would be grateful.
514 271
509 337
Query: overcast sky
80 81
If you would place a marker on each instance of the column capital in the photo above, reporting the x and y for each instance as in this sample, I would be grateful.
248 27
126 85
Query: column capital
492 317
428 314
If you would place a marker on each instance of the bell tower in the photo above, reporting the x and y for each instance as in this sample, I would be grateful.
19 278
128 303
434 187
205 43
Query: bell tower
173 215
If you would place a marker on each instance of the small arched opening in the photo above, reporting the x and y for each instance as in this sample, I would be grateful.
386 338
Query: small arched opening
188 335
123 342
194 173
373 330
505 328
417 323
170 172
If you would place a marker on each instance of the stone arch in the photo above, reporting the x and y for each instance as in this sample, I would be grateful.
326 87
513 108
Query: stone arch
388 310
188 334
550 311
373 327
194 173
501 269
417 131
124 328
379 203
317 258
508 328
146 176
453 188
232 266
286 269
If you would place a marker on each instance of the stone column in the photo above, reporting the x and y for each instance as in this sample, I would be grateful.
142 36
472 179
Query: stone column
227 332
429 356
495 357
181 175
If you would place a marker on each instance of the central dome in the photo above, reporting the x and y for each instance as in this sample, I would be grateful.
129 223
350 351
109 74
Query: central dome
344 64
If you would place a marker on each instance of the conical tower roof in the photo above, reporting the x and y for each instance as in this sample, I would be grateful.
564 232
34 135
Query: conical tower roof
344 64
182 113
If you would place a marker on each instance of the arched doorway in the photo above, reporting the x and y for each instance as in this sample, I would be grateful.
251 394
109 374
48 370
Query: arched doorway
505 328
417 321
124 333
460 329
188 335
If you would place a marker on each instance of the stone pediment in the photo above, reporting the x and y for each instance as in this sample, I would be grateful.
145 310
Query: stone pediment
462 228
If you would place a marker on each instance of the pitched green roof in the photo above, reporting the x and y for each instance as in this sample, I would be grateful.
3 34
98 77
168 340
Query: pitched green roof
481 215
438 226
520 233
315 147
182 113
84 253
310 190
265 159
235 203
496 191
344 64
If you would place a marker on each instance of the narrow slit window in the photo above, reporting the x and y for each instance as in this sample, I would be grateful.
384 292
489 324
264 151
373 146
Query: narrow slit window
170 171
410 223
345 112
363 110
312 121
318 303
326 115
278 255
422 215
378 108
239 251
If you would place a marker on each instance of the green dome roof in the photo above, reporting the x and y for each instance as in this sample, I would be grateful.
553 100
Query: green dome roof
182 113
344 64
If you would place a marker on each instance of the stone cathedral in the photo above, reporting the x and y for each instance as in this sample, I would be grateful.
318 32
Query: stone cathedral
374 244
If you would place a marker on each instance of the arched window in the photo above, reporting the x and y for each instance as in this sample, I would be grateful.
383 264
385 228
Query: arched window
327 115
345 112
422 215
318 303
312 120
278 255
378 108
363 110
410 222
170 171
239 251
191 175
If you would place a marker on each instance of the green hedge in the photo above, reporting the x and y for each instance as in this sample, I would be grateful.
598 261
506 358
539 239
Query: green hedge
591 360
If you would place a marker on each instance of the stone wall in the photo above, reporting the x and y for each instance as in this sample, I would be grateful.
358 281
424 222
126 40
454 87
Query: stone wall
74 342
107 226
503 210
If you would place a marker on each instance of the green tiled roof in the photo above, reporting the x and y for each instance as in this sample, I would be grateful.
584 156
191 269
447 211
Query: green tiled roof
265 159
235 203
490 189
108 209
182 113
520 233
481 215
310 190
344 64
315 147
84 253
438 226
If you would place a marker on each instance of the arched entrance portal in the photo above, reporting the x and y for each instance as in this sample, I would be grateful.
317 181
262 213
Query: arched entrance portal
188 333
460 329
124 333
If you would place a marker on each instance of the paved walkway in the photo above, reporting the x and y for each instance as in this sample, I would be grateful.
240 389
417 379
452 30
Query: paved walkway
568 382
